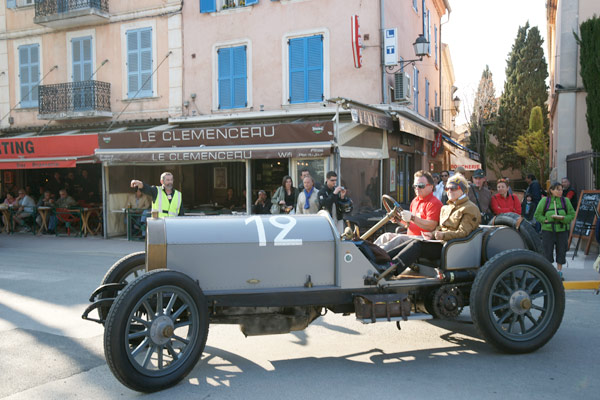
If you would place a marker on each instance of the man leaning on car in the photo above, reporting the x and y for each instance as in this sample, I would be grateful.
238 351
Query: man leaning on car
165 199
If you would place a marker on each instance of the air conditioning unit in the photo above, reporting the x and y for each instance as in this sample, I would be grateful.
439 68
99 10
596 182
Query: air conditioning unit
401 86
437 114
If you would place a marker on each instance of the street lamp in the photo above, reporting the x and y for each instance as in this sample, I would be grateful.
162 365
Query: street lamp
421 46
456 102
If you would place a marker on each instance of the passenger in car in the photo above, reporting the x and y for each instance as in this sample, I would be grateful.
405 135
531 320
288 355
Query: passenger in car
423 216
458 219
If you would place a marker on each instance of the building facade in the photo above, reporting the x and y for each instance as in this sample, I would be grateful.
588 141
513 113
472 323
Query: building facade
567 107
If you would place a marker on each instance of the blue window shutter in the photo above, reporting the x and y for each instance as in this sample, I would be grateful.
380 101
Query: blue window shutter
306 69
426 98
297 70
225 78
239 77
416 88
29 74
11 4
82 58
139 63
423 16
207 6
251 2
435 32
416 5
429 31
314 68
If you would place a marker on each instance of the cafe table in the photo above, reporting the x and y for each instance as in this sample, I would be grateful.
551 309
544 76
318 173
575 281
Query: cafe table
7 213
43 211
86 213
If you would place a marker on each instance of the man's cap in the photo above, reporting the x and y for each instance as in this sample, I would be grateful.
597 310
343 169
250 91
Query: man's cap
479 173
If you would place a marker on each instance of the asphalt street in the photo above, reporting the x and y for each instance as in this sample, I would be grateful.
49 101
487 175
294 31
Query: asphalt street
48 352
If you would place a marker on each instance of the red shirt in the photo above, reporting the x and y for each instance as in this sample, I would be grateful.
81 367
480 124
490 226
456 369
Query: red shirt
428 208
501 205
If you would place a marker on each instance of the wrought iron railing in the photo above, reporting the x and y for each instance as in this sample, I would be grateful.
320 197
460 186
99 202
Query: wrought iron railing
45 8
74 97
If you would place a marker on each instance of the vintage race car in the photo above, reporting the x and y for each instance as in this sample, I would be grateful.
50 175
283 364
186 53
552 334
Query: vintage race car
276 274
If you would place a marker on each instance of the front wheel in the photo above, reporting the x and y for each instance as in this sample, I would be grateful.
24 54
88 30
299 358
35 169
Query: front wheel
517 301
156 331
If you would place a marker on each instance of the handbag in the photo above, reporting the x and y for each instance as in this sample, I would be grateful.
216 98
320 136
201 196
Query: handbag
275 209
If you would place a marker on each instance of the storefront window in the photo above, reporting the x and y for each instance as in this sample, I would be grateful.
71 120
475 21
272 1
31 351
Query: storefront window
361 178
268 175
316 167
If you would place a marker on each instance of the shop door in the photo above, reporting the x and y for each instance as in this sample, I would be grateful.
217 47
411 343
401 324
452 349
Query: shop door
268 175
405 173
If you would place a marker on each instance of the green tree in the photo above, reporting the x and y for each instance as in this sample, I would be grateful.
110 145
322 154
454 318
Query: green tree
524 89
484 109
589 60
533 145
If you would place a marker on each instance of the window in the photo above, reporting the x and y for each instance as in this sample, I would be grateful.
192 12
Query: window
426 98
82 58
29 74
139 63
435 32
305 69
415 6
208 6
416 88
232 77
424 18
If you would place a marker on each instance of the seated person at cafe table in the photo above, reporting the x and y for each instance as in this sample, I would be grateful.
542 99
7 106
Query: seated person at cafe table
25 207
262 205
64 201
165 199
45 201
138 201
458 219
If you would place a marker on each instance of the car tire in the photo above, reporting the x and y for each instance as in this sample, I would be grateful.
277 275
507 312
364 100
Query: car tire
126 270
517 301
173 338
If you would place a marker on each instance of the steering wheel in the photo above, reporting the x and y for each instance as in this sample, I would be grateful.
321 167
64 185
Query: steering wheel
392 207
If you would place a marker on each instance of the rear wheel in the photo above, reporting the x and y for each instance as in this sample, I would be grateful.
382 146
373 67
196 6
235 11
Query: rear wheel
156 331
517 301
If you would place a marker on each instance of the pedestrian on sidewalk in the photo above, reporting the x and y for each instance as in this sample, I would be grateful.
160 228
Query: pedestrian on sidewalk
555 213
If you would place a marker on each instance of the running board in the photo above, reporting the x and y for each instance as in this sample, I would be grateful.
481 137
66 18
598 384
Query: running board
413 316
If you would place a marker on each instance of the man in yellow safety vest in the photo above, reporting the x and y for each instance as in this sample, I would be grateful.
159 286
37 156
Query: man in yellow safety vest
165 199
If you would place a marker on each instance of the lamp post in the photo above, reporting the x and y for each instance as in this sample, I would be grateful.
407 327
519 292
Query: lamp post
421 47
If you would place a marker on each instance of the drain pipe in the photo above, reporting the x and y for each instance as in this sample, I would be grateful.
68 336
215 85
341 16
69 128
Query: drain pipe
384 96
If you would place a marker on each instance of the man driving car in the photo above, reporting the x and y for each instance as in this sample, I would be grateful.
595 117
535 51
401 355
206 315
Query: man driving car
423 216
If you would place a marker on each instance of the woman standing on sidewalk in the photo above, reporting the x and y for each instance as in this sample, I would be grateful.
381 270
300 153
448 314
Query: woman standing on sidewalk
555 213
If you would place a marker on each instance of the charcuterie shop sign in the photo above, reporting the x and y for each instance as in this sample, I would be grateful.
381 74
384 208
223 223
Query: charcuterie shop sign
220 136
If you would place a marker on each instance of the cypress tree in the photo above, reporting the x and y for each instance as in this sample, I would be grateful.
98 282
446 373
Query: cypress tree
524 89
589 60
484 109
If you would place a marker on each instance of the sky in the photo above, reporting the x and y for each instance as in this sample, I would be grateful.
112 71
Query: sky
481 32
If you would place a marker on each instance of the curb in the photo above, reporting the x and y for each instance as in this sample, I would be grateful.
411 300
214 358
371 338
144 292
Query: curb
582 285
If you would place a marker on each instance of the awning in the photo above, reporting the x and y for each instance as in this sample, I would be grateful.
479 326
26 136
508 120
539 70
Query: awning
57 151
184 155
465 162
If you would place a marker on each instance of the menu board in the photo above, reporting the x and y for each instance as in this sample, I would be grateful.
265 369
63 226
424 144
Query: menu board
586 217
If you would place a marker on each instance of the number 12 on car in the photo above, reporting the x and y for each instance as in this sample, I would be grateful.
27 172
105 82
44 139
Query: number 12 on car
285 228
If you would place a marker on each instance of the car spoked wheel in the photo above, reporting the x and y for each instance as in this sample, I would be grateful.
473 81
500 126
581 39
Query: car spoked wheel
170 320
521 302
517 301
156 330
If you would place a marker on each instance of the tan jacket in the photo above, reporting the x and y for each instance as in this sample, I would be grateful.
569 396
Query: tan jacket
458 219
144 202
313 203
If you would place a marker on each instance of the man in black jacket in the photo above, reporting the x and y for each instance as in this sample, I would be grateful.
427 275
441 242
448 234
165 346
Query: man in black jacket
331 195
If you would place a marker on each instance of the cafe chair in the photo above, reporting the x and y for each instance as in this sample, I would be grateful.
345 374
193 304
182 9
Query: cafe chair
71 219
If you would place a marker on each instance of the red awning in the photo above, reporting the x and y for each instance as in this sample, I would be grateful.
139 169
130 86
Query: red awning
46 151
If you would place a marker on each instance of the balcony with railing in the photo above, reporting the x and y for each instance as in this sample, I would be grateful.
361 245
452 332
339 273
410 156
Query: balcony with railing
60 14
84 99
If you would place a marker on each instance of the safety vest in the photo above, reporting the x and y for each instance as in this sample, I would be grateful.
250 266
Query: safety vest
170 209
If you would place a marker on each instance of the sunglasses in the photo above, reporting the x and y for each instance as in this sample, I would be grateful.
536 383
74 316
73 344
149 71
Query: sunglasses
444 175
452 187
419 185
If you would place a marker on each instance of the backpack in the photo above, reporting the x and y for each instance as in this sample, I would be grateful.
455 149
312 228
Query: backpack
562 203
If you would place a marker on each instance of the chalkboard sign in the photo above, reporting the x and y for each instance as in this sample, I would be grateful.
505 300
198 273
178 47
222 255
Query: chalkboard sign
585 217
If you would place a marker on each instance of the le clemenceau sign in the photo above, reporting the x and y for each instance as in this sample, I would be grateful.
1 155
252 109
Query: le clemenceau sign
305 139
